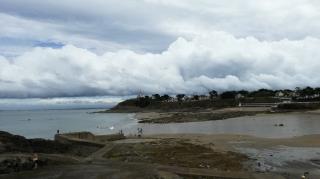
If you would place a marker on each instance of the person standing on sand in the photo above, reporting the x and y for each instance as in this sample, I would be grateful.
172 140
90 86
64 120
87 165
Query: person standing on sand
35 161
304 176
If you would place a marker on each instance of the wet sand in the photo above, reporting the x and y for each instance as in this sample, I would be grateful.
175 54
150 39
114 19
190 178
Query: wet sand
169 156
229 140
289 157
199 116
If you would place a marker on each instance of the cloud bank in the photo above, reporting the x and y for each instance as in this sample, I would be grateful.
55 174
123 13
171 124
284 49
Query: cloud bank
101 102
149 25
90 48
215 60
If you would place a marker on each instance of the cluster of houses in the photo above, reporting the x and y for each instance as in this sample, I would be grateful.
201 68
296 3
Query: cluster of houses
288 94
283 95
189 98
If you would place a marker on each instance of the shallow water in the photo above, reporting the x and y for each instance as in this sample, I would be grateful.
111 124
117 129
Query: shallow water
260 125
289 161
44 124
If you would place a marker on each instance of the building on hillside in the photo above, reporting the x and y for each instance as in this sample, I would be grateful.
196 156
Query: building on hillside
292 94
239 96
171 99
279 94
203 97
185 98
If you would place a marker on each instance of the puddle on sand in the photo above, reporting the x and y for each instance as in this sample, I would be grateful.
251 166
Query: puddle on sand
288 161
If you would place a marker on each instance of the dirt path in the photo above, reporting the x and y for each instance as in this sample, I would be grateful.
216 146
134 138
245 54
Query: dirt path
98 155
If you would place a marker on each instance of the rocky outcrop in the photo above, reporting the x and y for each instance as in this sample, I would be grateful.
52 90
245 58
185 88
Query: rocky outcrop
13 143
16 163
16 152
17 144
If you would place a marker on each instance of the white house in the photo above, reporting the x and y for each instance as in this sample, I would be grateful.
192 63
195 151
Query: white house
280 94
204 97
239 96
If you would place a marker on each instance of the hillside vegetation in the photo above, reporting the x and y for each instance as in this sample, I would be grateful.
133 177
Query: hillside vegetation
138 105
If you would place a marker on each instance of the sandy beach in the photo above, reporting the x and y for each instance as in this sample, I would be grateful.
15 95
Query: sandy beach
203 115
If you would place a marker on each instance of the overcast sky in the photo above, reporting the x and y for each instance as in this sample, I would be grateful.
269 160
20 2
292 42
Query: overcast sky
72 48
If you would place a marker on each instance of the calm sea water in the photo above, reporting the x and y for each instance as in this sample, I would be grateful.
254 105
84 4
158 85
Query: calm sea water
45 123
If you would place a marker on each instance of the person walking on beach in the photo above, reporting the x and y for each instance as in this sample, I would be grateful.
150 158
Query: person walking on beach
140 131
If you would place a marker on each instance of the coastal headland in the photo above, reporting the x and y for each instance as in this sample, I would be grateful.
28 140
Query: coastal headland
168 109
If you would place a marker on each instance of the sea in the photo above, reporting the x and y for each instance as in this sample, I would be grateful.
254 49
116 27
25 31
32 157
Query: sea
45 123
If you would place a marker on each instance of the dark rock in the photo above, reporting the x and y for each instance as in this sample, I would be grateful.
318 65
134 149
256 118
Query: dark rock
14 143
17 144
17 164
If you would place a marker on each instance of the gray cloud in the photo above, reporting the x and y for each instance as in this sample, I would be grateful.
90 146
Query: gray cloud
151 25
121 47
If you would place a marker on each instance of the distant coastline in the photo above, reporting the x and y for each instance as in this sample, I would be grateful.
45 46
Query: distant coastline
214 106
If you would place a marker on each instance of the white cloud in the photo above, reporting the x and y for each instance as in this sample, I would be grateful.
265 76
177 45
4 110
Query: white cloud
216 60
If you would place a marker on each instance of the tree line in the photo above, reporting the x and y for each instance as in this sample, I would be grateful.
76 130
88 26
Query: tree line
213 94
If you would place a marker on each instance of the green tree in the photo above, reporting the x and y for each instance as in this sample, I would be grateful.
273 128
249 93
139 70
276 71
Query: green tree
262 93
157 97
195 97
143 101
308 91
213 94
317 90
228 95
165 97
298 91
180 97
243 92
